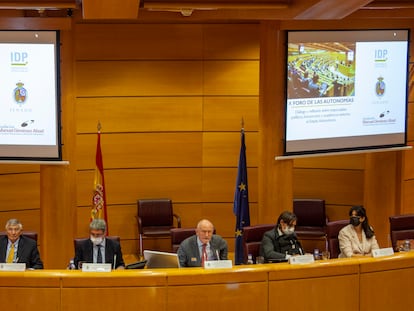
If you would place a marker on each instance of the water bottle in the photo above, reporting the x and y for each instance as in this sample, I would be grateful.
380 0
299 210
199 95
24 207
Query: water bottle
316 254
249 259
71 265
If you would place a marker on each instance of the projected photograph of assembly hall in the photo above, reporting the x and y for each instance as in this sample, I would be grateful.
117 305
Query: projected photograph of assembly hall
321 70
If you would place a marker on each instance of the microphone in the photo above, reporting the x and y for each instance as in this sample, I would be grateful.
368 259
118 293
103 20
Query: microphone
217 254
114 265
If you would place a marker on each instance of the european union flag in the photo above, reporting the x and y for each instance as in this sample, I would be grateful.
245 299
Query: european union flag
241 203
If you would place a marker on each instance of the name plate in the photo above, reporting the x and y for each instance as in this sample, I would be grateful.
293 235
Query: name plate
302 259
218 264
381 252
12 266
96 267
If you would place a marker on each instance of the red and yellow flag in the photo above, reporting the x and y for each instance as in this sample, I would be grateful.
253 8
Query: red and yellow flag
99 197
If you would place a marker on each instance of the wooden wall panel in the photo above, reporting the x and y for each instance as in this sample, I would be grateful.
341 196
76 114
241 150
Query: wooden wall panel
139 114
235 77
138 150
244 43
138 41
126 186
145 78
19 168
226 113
29 217
355 162
19 191
335 186
223 149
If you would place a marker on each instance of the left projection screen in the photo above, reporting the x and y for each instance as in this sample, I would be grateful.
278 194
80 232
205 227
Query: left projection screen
30 96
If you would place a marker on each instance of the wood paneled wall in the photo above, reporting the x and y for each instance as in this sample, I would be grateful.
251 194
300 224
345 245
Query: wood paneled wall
170 98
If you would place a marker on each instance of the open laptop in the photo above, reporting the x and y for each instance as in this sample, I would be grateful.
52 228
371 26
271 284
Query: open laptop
156 259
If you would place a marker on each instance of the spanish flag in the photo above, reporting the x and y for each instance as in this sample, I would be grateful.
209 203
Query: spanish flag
99 197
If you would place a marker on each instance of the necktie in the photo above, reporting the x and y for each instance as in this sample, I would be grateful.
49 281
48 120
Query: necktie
203 254
10 257
99 258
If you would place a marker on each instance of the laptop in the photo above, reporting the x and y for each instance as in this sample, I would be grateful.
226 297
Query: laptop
156 259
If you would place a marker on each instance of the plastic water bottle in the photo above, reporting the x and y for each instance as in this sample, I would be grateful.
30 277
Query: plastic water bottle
71 265
316 254
250 259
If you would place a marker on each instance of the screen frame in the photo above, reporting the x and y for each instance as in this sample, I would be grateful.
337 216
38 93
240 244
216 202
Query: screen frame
29 153
347 146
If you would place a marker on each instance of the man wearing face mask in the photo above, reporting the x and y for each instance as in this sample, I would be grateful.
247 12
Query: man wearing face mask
358 238
281 242
98 249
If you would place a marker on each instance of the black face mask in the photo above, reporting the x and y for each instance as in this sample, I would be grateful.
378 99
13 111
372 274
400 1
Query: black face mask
354 220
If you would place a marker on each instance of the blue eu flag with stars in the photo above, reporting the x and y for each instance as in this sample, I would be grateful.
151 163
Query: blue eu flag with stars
241 203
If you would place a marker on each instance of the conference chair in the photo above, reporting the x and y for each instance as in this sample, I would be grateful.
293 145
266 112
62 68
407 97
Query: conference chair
29 234
77 241
332 231
311 222
252 239
155 219
180 234
401 228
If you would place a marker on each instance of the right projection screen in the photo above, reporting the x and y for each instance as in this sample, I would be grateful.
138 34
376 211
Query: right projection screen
346 90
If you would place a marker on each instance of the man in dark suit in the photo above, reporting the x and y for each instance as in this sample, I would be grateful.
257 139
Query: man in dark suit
98 249
202 246
16 248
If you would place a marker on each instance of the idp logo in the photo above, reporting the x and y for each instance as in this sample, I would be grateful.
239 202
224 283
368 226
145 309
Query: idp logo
19 58
381 55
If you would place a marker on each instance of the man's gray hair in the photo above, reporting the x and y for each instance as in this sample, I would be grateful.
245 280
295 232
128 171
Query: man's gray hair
14 222
98 224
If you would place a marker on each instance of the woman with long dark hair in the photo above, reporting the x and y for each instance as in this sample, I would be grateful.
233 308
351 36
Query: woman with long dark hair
358 238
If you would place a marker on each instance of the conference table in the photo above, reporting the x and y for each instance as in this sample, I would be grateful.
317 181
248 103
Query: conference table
337 284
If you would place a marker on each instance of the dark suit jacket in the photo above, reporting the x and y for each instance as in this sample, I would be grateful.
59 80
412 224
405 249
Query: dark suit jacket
27 252
85 253
189 254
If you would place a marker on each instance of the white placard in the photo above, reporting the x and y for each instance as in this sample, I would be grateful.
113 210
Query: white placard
12 266
302 259
217 264
381 252
96 267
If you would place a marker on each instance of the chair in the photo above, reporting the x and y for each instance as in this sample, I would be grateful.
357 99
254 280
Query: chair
252 239
155 219
401 228
29 234
311 216
78 241
332 231
180 234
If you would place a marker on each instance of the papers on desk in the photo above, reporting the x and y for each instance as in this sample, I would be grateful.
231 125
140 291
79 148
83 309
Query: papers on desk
12 266
381 252
217 264
96 267
301 259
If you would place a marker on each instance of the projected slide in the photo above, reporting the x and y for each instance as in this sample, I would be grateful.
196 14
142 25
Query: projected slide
27 94
346 93
29 101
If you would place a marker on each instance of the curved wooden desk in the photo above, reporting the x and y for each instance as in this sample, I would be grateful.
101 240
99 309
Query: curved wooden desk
339 284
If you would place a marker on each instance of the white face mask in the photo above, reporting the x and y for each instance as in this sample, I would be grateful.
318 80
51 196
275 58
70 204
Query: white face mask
96 240
289 230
